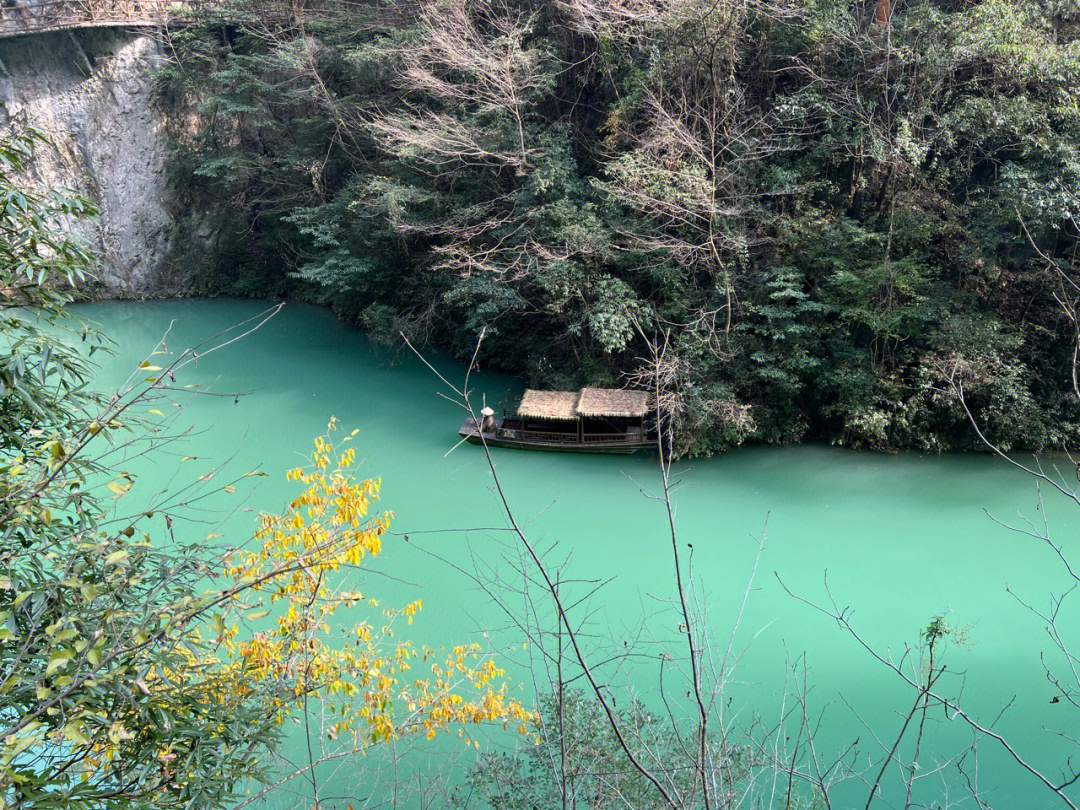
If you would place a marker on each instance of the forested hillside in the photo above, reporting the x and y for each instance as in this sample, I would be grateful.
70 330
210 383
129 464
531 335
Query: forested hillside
837 209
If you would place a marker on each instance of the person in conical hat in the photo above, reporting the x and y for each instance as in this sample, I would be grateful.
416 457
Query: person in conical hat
488 424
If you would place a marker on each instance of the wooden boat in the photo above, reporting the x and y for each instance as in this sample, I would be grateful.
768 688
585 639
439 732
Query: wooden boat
592 420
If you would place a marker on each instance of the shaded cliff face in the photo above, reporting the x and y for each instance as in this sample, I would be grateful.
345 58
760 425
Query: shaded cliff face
92 93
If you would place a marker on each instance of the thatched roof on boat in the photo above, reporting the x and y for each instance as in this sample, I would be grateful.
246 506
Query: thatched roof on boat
589 402
549 404
612 402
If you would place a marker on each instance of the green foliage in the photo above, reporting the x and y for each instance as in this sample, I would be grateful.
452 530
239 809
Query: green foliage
41 379
104 700
826 212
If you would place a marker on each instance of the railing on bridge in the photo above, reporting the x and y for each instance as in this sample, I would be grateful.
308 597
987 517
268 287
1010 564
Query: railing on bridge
19 17
34 16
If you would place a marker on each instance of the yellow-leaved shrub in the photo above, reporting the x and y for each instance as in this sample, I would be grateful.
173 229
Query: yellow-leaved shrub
299 570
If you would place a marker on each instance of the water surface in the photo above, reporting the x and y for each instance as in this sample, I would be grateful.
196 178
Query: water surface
902 538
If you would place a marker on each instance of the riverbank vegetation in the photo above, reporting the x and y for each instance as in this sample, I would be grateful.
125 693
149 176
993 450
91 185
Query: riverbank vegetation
837 209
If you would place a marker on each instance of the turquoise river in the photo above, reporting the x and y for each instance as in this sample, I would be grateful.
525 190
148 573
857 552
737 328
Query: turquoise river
902 538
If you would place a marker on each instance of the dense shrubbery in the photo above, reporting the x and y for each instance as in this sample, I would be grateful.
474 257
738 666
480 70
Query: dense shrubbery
836 208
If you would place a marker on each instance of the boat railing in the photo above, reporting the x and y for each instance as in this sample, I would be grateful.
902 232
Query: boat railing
509 429
552 437
537 436
610 437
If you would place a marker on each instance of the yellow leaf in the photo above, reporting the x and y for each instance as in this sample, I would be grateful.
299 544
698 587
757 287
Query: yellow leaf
156 412
117 488
57 661
75 735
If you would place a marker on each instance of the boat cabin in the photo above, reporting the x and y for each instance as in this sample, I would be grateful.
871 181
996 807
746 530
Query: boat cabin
601 420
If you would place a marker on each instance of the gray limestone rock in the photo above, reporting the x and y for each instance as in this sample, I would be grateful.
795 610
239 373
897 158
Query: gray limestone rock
92 93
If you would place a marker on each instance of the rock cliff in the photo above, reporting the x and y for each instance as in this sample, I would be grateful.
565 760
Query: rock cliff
92 93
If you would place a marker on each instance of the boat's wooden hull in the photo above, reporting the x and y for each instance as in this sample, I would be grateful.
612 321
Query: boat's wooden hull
472 435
